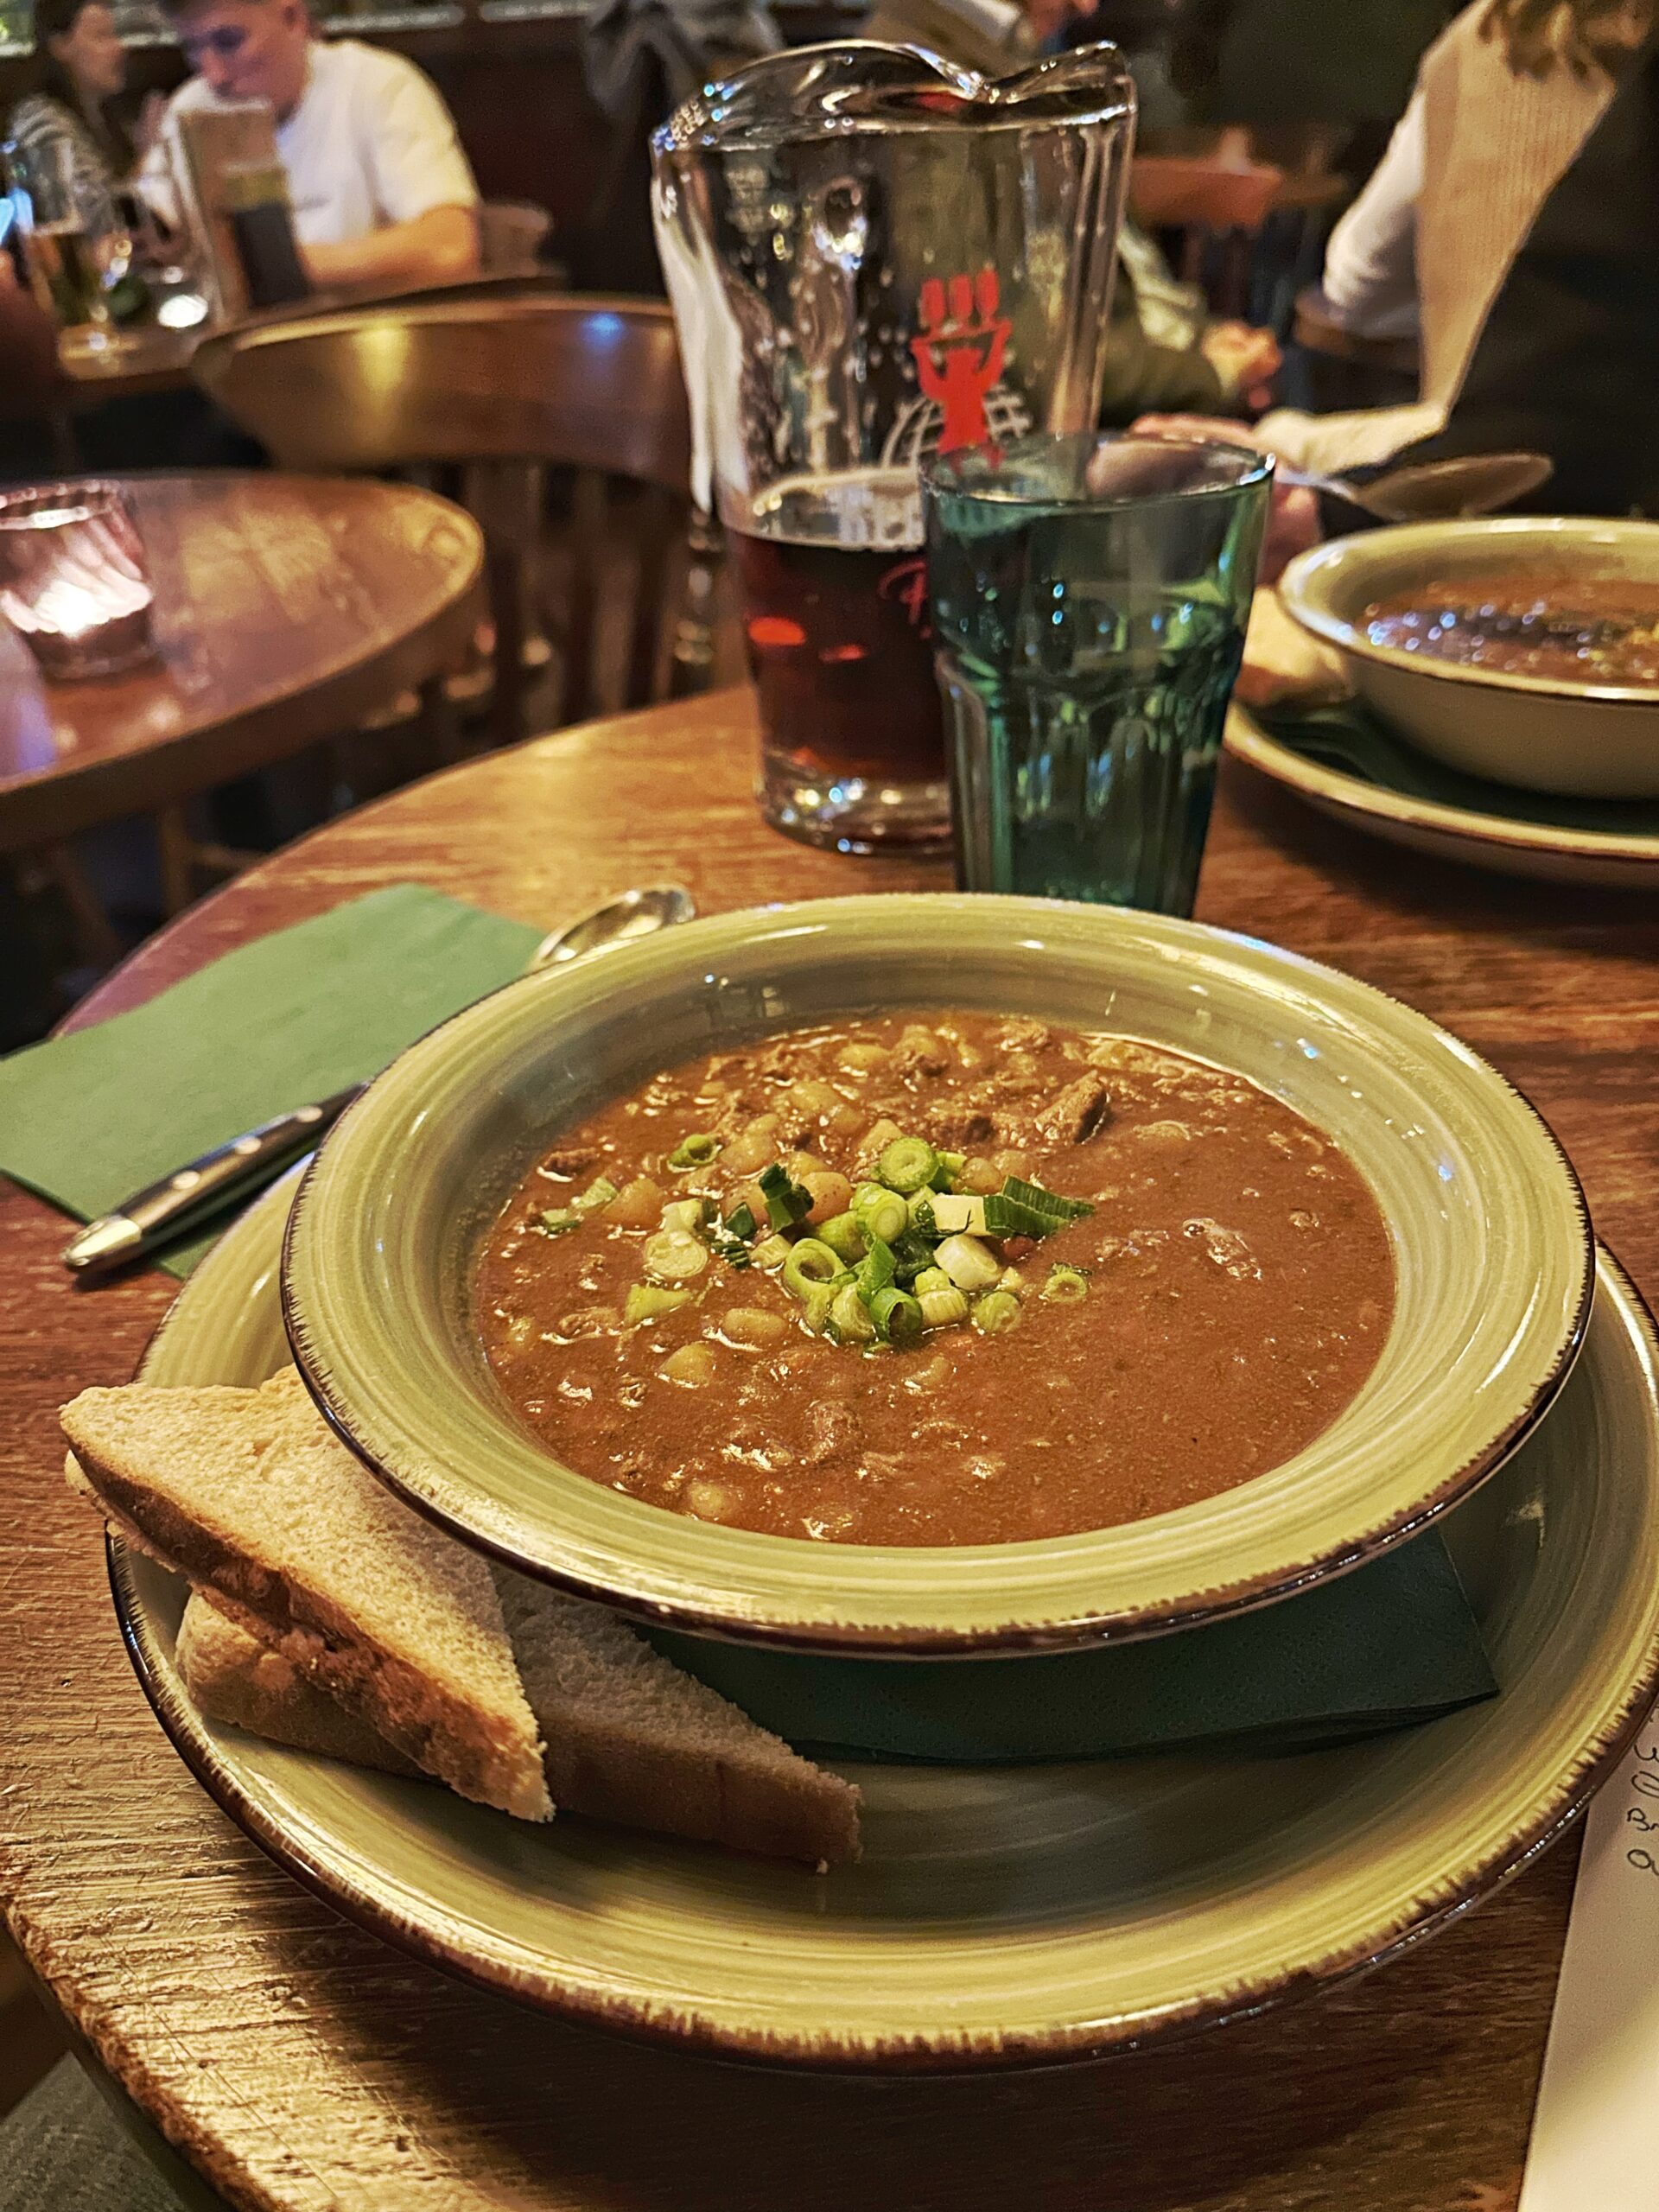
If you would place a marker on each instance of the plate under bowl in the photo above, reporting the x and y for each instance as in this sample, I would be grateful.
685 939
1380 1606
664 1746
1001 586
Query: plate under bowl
1596 741
1001 1916
1491 1246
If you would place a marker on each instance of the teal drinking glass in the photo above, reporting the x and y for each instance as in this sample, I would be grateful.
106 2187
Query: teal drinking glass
1090 599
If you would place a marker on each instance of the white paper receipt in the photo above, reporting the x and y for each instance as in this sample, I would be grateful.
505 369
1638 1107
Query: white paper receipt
1595 2134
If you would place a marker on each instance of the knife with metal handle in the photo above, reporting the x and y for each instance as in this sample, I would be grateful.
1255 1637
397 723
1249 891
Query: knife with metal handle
162 1211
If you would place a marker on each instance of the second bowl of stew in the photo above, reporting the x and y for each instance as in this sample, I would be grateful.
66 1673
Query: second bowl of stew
934 1275
1522 649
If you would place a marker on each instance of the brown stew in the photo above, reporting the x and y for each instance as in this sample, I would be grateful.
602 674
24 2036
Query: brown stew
950 1278
1536 622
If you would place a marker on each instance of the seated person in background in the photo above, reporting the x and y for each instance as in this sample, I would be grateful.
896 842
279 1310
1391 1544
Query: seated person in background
79 65
381 190
1507 103
1166 354
1370 282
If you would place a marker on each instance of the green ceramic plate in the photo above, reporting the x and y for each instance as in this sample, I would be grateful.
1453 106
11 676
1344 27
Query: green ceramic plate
1001 1916
1342 761
1492 1258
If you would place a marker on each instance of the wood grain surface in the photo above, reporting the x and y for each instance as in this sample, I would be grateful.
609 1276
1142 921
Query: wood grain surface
286 607
301 2064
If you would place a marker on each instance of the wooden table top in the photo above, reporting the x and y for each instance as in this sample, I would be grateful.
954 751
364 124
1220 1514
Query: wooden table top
286 609
151 358
301 2064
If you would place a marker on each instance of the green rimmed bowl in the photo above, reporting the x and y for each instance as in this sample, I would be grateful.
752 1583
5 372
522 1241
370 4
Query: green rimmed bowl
1545 734
1491 1244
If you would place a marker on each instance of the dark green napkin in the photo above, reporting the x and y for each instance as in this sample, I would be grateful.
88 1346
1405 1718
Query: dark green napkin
1350 739
1392 1643
87 1119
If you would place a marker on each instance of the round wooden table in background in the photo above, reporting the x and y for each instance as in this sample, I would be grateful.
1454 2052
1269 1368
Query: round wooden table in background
286 609
301 2064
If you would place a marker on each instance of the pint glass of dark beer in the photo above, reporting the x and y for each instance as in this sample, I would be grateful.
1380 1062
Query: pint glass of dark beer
874 257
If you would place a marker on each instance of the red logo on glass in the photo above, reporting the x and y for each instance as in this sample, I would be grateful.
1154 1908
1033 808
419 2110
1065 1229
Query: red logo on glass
959 353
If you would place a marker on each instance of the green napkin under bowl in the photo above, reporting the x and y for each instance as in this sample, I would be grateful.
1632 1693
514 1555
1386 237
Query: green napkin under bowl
1350 739
87 1119
1392 1643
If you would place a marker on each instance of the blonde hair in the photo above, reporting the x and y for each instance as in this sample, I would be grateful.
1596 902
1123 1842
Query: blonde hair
1583 35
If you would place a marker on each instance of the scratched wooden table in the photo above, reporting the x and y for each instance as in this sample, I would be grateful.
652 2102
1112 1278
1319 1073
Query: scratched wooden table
301 2063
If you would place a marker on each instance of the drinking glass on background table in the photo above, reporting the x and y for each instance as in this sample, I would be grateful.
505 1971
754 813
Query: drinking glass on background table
72 265
73 579
873 256
1089 598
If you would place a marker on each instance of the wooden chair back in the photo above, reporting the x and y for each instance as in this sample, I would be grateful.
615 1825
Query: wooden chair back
1205 197
498 385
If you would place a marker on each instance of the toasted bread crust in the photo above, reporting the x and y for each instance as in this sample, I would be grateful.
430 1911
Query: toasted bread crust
235 1678
606 1773
446 1736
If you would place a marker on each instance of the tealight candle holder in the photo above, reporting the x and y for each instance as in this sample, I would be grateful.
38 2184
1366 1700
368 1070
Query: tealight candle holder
74 582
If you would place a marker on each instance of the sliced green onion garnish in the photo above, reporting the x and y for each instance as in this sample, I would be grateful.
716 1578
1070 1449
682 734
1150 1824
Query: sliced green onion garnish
675 1255
923 1219
952 1214
810 1262
942 1307
951 1165
771 1251
787 1201
695 1151
692 1214
740 1222
907 1164
911 1255
848 1318
898 1317
817 1303
874 1272
880 1212
1066 1286
968 1262
996 1313
931 1279
646 1300
844 1236
1021 1209
555 1221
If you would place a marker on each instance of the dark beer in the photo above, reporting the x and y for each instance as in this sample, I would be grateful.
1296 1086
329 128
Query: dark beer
835 601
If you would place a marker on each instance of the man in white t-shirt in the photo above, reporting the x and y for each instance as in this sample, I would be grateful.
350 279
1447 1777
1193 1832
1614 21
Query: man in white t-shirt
382 192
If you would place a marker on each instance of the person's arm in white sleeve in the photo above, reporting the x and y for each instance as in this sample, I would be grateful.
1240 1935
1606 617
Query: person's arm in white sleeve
1370 264
425 188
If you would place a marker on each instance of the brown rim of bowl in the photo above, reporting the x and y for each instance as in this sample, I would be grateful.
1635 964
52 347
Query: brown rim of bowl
1259 749
832 1639
1339 632
192 1740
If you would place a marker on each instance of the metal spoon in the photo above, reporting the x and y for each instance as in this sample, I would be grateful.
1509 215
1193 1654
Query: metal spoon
619 921
160 1212
1431 491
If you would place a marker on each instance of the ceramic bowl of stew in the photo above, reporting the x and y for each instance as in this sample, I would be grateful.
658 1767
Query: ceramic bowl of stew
1521 649
1293 1270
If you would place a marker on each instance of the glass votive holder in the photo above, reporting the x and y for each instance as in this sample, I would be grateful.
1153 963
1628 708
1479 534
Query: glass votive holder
73 579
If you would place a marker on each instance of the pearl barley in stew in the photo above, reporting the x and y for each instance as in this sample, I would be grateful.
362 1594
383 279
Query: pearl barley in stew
941 1279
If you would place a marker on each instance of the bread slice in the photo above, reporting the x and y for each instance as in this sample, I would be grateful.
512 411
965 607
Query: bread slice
248 1494
301 1554
232 1677
632 1739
